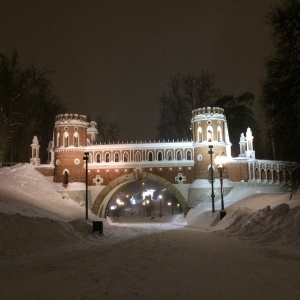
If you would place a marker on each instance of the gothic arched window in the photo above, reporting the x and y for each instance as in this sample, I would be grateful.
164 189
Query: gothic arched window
159 156
219 132
188 155
150 156
66 177
66 139
178 155
76 139
125 157
200 135
138 156
169 155
98 158
57 140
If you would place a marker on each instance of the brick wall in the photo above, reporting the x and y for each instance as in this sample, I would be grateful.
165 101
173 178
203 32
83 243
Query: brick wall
237 171
46 171
71 161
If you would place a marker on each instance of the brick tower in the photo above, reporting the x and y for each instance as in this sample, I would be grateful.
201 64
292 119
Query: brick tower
209 129
70 139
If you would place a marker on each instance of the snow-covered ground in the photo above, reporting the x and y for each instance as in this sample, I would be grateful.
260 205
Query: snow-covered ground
48 250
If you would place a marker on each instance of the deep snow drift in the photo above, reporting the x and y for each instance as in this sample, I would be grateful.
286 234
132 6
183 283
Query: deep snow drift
33 212
48 249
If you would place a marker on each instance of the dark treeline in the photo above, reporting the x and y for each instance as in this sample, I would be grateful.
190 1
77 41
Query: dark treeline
108 132
188 92
28 107
274 119
281 90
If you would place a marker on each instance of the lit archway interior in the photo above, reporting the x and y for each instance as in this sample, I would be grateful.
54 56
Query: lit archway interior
100 206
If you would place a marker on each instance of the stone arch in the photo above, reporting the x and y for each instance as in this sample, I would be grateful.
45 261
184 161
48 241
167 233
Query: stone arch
219 134
169 155
188 155
58 140
159 155
98 157
200 134
251 171
150 156
76 139
275 176
281 176
125 156
179 155
269 175
101 202
66 139
138 156
65 177
116 157
209 133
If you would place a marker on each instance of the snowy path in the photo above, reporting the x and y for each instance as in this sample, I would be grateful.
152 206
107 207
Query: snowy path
183 263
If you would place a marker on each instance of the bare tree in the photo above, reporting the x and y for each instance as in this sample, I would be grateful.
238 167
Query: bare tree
27 107
184 93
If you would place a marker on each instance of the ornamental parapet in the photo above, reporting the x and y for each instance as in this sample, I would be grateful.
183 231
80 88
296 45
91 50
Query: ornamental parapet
208 111
71 118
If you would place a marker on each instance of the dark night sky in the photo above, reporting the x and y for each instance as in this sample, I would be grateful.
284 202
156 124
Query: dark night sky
113 58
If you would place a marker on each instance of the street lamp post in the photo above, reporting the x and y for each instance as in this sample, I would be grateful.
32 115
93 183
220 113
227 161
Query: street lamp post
160 197
221 160
86 158
147 205
211 152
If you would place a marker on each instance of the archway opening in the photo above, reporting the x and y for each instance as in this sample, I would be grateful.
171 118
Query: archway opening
143 201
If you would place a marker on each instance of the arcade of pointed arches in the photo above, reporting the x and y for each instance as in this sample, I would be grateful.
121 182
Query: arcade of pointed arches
269 172
137 156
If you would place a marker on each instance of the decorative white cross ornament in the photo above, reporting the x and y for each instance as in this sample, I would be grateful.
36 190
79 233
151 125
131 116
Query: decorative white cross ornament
98 180
180 178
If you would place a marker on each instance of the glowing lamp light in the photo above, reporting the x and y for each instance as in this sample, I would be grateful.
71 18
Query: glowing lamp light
221 160
133 201
119 202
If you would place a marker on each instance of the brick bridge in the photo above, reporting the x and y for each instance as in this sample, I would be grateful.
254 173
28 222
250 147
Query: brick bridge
182 167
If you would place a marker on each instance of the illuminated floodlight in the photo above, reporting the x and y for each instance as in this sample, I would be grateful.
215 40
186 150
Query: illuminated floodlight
119 202
148 193
221 160
113 207
133 201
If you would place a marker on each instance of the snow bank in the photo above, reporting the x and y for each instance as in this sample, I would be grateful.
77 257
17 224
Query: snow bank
280 224
254 214
25 191
33 214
